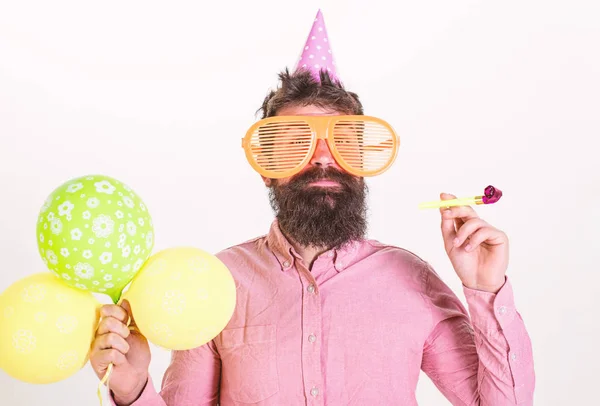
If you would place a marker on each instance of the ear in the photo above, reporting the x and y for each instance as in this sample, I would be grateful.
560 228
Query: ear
267 181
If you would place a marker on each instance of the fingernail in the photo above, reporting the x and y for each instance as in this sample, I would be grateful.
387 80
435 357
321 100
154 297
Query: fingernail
468 247
456 241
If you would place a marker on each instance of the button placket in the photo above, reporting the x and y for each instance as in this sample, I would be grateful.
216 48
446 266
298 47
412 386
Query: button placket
311 329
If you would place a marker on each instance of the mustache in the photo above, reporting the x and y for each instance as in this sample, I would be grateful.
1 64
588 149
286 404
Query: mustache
316 174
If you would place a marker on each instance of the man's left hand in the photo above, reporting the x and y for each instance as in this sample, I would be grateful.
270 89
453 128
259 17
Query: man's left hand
478 252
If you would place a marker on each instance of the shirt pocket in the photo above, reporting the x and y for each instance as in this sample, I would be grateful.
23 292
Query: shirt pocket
248 363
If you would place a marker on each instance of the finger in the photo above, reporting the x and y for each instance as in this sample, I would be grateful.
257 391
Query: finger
132 326
448 224
114 311
100 360
488 235
112 325
463 213
448 196
466 231
111 340
448 232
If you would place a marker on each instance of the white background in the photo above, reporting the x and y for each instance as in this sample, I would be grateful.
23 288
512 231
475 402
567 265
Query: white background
159 94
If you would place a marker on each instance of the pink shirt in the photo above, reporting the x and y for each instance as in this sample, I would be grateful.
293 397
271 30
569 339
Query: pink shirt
354 330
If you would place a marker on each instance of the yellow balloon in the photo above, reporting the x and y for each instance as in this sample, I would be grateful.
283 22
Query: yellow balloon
182 298
46 329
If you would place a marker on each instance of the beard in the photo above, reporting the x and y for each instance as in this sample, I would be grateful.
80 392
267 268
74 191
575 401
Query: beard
321 217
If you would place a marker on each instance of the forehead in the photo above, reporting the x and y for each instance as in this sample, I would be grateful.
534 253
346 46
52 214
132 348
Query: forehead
310 110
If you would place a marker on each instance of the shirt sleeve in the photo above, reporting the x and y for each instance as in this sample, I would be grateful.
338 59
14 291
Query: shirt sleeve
483 360
192 378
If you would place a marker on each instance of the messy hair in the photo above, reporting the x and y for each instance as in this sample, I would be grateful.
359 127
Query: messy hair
302 89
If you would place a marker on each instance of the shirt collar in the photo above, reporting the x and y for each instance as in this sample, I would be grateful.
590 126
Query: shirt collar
280 246
286 255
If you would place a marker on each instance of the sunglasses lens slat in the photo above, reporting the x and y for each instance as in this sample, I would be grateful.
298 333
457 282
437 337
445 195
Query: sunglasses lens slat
364 145
280 147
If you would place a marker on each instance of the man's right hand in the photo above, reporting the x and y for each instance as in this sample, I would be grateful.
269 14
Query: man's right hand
126 349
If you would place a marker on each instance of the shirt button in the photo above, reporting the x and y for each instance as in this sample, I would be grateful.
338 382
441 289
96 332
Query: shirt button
502 309
340 265
330 254
513 356
286 264
314 392
311 288
312 338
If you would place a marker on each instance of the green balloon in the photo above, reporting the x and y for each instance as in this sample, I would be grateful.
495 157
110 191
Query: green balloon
95 233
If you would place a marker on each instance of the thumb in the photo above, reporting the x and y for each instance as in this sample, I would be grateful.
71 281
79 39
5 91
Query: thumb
447 225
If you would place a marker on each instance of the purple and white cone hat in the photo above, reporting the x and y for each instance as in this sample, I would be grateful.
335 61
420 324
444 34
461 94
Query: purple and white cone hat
317 55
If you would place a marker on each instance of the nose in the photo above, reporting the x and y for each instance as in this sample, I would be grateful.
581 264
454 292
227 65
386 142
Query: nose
322 156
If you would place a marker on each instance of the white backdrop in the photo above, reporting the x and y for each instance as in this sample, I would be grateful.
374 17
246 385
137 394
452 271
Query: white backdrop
158 95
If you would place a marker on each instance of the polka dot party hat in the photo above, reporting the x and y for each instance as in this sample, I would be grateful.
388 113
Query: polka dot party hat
316 55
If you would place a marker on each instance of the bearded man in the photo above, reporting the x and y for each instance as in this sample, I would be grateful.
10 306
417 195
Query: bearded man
325 316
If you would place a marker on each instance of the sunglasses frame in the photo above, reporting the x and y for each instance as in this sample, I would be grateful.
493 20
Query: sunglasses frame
321 129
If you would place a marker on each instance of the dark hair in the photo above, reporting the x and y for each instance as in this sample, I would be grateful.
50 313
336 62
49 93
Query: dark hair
301 89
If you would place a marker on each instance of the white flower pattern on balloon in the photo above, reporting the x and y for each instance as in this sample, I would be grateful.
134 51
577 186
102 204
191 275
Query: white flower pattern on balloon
198 264
9 312
50 216
103 226
76 234
84 270
104 187
93 202
24 341
109 285
126 251
136 249
64 252
162 330
202 294
173 302
40 317
67 360
74 187
126 268
66 324
87 254
119 214
46 204
56 226
138 264
41 237
128 202
86 215
66 276
105 257
81 286
149 237
51 256
108 277
34 293
65 208
131 228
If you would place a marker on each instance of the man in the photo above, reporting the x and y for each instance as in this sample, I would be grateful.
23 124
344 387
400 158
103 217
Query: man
323 315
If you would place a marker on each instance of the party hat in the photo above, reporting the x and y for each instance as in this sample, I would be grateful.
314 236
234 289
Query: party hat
316 55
